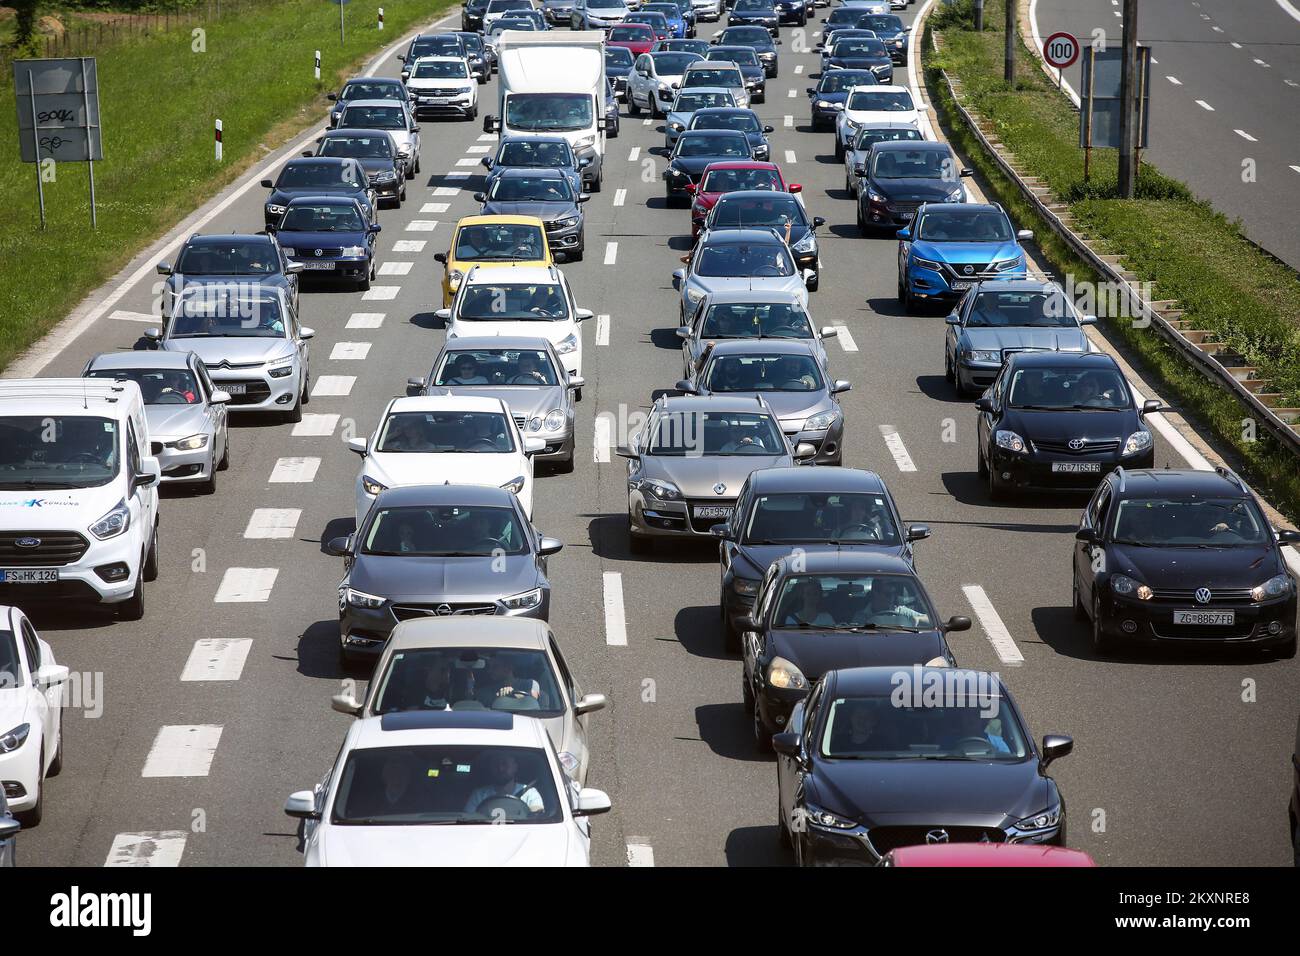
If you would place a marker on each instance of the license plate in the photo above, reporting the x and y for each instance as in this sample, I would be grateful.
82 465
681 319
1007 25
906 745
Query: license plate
311 265
1213 618
29 576
961 286
232 389
712 511
1077 467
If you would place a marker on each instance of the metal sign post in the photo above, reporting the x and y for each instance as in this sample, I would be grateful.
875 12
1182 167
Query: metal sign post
1101 112
59 121
90 159
40 185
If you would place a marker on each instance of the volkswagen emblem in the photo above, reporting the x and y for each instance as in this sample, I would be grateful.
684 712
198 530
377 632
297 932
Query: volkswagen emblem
937 836
443 610
719 488
1203 595
28 542
320 252
969 270
1077 444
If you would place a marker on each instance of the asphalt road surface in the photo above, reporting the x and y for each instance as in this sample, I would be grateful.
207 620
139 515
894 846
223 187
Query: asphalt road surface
1171 765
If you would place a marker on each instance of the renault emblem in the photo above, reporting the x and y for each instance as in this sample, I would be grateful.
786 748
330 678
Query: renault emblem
719 488
1203 595
1077 444
937 836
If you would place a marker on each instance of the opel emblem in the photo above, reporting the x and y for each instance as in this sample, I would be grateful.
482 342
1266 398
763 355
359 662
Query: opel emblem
1076 444
28 542
1203 595
443 610
937 836
719 488
969 270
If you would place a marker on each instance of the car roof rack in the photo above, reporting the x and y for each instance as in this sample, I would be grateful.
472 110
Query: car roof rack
1119 471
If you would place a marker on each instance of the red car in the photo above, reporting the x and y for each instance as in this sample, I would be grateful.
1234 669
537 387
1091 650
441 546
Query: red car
727 177
655 21
637 37
985 854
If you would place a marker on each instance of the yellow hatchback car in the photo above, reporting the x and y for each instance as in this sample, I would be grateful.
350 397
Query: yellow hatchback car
492 241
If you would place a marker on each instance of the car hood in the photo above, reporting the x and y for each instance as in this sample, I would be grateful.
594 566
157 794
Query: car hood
545 211
13 707
294 239
816 651
792 406
376 164
521 400
914 190
696 477
214 350
1191 568
1101 425
175 421
407 578
860 62
879 117
775 284
1026 337
752 70
695 165
435 83
57 509
839 96
281 195
761 556
177 280
495 469
486 845
979 253
530 328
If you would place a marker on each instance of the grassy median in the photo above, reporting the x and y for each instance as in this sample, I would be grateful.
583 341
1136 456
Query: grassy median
159 96
1188 250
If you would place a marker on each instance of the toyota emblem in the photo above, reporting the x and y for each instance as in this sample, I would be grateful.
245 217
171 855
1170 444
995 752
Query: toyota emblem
28 542
443 610
1203 595
1077 444
937 836
719 488
969 270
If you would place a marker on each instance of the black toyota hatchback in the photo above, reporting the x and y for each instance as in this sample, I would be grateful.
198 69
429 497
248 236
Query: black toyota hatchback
1182 558
1059 420
883 757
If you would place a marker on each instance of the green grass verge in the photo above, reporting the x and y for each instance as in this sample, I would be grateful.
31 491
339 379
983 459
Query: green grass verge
159 99
1190 252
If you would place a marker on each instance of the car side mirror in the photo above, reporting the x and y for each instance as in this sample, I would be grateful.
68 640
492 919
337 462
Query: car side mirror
952 318
340 547
905 233
149 475
1151 406
359 445
690 188
332 97
576 381
302 805
306 333
1087 320
414 385
625 451
589 703
480 197
307 153
1025 234
153 334
795 188
804 452
786 743
1088 535
841 385
444 314
967 172
918 532
584 197
819 221
684 385
293 268
956 623
51 675
219 397
1288 537
440 257
486 161
549 546
769 129
984 404
809 276
720 530
591 802
1056 745
810 90
678 276
491 124
585 161
829 332
164 268
346 704
8 827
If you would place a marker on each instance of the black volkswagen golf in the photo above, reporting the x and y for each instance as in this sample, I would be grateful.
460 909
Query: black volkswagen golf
1059 420
1182 557
884 757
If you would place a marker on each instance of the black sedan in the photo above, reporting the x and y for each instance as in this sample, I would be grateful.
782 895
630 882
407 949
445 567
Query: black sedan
742 121
471 15
331 236
222 259
1185 559
862 53
547 194
824 611
318 176
759 13
795 12
881 758
762 42
618 64
476 53
695 150
826 99
534 152
900 176
366 88
376 150
750 208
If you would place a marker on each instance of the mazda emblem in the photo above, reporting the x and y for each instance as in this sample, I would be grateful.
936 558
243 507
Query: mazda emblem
719 488
28 542
969 270
1203 595
1077 444
937 836
443 610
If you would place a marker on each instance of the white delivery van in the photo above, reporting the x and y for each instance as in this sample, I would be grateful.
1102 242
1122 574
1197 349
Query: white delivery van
78 494
554 82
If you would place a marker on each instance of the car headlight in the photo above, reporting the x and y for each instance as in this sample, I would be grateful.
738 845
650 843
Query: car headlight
985 356
586 142
693 295
454 277
192 443
1008 264
554 420
114 523
1274 587
355 598
820 817
353 251
744 586
523 602
1138 441
387 176
1049 819
566 222
957 195
1009 440
567 344
821 422
781 673
275 209
806 244
289 251
663 490
825 104
877 197
281 369
11 741
404 150
925 263
676 126
371 486
937 662
1123 584
515 484
569 762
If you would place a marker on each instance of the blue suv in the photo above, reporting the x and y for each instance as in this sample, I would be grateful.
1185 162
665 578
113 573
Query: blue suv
949 247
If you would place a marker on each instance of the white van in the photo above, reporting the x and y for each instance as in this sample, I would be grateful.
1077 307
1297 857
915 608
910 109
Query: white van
78 494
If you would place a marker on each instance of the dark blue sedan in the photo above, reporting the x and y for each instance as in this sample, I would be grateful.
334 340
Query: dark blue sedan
330 235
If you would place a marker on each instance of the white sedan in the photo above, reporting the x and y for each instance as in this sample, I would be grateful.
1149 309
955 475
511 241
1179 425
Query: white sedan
447 788
435 439
873 106
31 715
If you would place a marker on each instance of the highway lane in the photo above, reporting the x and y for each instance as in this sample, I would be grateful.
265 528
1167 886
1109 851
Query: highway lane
1242 60
1184 771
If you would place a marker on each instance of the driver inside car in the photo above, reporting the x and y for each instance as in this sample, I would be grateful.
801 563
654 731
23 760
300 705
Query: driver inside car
503 771
890 605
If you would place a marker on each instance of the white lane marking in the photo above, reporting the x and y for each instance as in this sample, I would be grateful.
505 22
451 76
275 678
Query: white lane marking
819 33
349 352
640 854
611 253
1204 105
447 191
182 750
467 162
1155 61
487 138
1296 168
455 174
1003 643
798 68
315 426
336 386
381 293
147 848
1289 9
365 320
601 446
395 268
646 122
123 315
294 470
634 155
246 585
1236 46
788 121
602 329
620 195
422 225
793 94
435 207
1174 80
1217 29
219 658
789 156
410 245
615 623
478 150
896 448
272 523
845 338
1261 63
1246 136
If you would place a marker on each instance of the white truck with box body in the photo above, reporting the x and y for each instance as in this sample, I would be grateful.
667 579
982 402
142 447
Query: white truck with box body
552 83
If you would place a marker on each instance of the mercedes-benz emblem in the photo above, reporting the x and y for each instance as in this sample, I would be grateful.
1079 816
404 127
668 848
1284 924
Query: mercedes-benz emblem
937 836
969 270
28 542
719 488
443 610
1203 595
320 252
1077 444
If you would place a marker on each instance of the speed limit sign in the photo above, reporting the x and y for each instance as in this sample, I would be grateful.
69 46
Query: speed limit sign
1060 50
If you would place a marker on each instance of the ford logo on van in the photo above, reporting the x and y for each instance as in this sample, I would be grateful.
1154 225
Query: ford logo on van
28 542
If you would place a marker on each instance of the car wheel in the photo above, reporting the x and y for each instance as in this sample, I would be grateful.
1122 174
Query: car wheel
746 692
401 197
839 149
132 609
997 490
908 300
1101 643
417 163
209 485
363 284
1080 612
762 739
32 817
595 184
730 637
294 415
150 569
782 833
632 108
948 373
864 230
56 765
981 466
224 464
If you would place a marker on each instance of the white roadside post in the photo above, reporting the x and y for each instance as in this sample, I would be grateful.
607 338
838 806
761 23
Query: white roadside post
381 18
217 134
318 64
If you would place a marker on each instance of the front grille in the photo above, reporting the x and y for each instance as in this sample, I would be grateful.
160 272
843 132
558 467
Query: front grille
56 549
324 253
1187 596
884 839
959 271
438 92
520 420
1090 448
1196 632
407 612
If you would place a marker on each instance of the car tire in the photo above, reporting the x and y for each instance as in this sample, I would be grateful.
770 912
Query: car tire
306 388
294 415
149 570
417 165
401 196
1101 643
224 463
638 544
981 466
1080 612
132 609
633 109
839 149
746 692
730 637
949 373
363 284
762 739
56 765
864 230
782 833
31 818
209 485
997 491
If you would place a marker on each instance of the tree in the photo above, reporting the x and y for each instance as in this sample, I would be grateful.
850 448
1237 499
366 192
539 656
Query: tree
25 23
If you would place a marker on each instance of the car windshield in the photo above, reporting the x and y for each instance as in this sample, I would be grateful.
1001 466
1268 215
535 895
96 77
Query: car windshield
733 180
1001 310
868 136
444 785
443 433
40 452
531 153
11 672
548 112
496 6
745 259
886 23
838 81
450 531
688 145
305 174
801 517
673 64
758 6
713 77
159 386
435 46
778 210
358 147
744 122
1190 523
882 101
497 367
955 224
374 117
691 434
914 164
517 302
976 726
470 678
616 5
531 189
511 23
633 32
745 57
229 259
841 15
885 602
763 373
376 90
1066 388
322 217
756 320
666 10
859 46
213 313
490 242
655 21
440 68
618 56
689 102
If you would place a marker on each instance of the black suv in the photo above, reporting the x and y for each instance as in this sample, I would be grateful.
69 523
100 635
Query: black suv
1182 556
